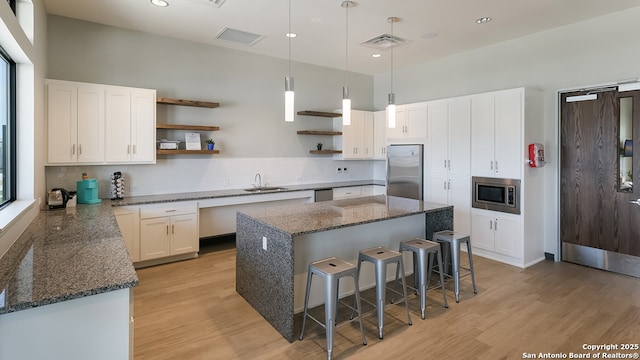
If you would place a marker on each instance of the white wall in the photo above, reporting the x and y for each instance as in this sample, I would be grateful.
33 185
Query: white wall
597 51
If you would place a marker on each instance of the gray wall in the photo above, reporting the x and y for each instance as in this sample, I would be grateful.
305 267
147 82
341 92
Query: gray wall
597 51
250 88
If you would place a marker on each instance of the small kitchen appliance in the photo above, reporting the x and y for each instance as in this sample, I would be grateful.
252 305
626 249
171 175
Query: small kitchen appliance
58 198
88 191
117 186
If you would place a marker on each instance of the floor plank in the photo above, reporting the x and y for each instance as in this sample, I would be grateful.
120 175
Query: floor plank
190 310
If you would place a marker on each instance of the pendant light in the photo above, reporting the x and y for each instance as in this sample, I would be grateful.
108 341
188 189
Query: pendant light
391 107
288 81
346 101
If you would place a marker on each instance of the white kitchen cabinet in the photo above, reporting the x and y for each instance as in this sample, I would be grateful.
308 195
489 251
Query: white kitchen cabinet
357 138
448 175
497 124
411 122
75 123
130 125
168 229
347 192
497 233
128 219
379 135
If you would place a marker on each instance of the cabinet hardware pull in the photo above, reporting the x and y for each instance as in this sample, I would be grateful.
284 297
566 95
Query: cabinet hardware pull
172 210
449 164
79 149
128 149
491 165
496 227
490 224
496 165
448 185
445 163
134 149
173 229
167 229
444 183
73 149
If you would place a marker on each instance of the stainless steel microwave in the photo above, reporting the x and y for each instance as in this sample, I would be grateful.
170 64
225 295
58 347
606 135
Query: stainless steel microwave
496 194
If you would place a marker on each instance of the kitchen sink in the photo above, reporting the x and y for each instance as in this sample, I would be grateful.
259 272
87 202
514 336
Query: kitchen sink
265 189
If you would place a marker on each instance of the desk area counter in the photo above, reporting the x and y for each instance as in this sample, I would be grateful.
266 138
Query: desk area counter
275 245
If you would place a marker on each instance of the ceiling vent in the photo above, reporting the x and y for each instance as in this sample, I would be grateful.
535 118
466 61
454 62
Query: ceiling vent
239 37
216 3
384 42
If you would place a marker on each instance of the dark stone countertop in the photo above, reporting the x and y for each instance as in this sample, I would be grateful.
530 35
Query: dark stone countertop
203 195
65 254
328 215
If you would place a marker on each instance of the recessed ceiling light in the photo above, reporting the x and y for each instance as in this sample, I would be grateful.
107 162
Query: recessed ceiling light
160 3
376 55
291 35
483 20
431 35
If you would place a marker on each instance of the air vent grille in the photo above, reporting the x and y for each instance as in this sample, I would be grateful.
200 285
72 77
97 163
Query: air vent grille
239 37
384 42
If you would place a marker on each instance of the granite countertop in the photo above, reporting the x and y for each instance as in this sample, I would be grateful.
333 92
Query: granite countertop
65 254
203 195
328 215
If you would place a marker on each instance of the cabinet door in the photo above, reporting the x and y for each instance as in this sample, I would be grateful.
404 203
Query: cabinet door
482 138
128 222
155 238
367 136
439 136
379 135
438 189
118 125
90 124
460 198
509 151
459 136
482 230
398 131
62 121
416 121
508 240
350 134
184 233
143 126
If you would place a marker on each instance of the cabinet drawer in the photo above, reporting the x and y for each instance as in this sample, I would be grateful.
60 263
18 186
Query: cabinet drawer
167 209
347 192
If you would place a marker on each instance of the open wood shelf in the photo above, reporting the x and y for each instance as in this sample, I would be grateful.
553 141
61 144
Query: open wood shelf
187 127
195 103
319 113
325 152
318 132
174 152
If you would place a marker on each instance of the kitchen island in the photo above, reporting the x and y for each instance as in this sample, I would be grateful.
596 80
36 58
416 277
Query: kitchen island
274 247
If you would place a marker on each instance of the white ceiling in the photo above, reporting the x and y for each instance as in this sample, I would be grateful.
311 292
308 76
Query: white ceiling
320 24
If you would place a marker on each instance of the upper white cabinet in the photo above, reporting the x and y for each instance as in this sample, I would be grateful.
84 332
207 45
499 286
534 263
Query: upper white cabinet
379 135
75 123
90 123
357 138
411 122
130 125
497 121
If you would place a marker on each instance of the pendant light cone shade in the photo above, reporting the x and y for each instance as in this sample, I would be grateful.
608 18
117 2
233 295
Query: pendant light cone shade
391 107
288 99
289 108
346 101
346 107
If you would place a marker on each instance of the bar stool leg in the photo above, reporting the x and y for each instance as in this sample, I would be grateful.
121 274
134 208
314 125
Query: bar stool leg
422 271
455 255
331 291
444 296
306 302
473 277
404 291
359 307
381 292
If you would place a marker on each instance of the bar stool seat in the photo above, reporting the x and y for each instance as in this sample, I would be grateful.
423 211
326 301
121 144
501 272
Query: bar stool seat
454 240
332 269
422 248
381 257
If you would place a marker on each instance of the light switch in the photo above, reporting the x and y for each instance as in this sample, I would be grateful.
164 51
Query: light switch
264 243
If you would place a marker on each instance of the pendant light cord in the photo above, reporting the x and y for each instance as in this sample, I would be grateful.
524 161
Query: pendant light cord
392 46
289 36
346 47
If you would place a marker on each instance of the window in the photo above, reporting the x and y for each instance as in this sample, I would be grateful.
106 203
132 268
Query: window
7 129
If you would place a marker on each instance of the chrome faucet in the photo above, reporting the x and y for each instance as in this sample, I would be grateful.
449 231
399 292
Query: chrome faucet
259 177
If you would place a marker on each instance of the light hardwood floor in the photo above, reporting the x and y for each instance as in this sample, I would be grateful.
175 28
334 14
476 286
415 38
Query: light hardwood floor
190 310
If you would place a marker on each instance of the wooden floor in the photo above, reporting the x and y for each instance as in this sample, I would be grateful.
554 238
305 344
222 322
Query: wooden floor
190 310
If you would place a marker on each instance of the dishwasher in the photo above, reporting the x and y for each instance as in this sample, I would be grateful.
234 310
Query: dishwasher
323 195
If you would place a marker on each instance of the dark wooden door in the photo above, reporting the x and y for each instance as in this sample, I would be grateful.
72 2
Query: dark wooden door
594 211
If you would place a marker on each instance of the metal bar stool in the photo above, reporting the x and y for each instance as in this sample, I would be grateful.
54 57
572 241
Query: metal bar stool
454 240
381 257
332 269
421 267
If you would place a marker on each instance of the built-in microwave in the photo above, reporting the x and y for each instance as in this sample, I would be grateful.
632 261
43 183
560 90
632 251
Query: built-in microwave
496 194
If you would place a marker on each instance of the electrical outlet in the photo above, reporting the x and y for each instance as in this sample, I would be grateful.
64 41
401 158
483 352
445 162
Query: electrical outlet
339 171
344 170
133 188
264 243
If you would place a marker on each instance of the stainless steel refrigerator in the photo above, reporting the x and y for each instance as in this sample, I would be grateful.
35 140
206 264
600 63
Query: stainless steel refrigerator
405 170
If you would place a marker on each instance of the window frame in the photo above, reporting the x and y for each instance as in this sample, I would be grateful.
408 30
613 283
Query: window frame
10 155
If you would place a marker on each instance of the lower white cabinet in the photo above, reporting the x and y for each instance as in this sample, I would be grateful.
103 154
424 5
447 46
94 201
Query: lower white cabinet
168 229
453 190
128 219
358 191
497 233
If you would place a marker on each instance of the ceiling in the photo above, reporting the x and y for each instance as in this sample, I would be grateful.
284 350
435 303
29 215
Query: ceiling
321 24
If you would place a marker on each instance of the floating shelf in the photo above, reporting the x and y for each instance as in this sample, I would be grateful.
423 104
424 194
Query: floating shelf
318 132
174 152
325 152
195 103
187 127
319 113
